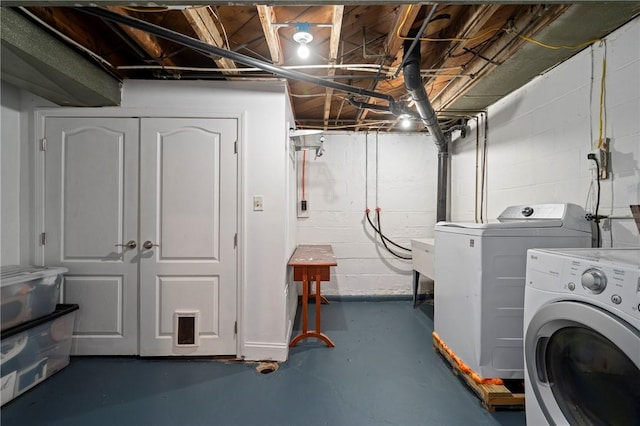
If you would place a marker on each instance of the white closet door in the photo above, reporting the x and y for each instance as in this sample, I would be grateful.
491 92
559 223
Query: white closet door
188 187
91 206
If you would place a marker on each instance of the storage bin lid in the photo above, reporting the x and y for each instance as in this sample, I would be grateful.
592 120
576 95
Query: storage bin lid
15 274
61 309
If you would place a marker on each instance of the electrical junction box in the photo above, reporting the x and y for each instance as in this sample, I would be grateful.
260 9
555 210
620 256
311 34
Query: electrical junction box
303 208
601 155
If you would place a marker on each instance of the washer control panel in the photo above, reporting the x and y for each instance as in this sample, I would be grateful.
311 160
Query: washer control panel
613 285
533 211
616 287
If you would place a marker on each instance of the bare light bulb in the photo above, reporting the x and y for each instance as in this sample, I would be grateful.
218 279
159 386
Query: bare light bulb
406 123
303 51
303 36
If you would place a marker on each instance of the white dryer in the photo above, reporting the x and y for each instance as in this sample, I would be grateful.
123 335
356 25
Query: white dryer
582 337
479 281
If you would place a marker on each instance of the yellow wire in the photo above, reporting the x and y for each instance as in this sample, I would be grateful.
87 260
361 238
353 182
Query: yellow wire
554 47
602 90
404 20
529 39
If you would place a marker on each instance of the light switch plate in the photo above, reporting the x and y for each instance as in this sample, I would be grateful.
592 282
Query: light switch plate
258 203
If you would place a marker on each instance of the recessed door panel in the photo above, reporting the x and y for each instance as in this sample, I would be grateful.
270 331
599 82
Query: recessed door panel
93 160
189 165
188 294
101 300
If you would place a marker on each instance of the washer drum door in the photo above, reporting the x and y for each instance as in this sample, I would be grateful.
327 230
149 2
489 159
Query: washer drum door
585 368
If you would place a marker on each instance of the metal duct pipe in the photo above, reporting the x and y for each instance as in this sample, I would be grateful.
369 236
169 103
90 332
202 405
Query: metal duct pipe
414 85
398 110
237 57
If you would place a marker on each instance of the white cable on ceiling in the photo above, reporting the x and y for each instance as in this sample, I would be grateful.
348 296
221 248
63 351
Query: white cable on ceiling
66 38
348 67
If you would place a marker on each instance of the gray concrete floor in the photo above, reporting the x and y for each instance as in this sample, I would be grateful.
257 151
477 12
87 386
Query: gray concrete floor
383 371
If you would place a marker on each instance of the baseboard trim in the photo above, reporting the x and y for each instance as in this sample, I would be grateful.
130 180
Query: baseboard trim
370 298
265 351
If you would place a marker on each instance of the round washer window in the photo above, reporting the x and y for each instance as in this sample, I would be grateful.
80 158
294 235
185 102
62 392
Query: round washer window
593 382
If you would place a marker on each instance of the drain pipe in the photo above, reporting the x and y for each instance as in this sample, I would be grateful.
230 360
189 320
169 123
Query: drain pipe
415 87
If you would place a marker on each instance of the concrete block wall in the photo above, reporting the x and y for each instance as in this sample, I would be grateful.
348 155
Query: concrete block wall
537 146
539 137
342 183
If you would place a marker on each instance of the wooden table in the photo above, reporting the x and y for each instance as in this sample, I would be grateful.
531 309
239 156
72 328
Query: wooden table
312 262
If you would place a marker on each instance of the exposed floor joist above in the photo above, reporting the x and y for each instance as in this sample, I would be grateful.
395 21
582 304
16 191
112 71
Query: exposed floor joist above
473 53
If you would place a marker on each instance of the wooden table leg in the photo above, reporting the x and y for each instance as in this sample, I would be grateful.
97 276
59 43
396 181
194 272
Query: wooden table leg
318 303
318 333
305 296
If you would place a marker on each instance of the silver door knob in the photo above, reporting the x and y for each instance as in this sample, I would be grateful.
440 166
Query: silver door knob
148 244
131 244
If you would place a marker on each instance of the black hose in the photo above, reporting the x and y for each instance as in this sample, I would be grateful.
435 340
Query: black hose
597 218
384 236
385 239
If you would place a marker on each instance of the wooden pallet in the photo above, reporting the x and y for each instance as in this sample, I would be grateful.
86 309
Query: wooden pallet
492 397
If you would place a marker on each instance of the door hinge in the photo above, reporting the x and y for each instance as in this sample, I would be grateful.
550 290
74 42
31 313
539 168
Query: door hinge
235 328
235 240
43 238
43 144
235 147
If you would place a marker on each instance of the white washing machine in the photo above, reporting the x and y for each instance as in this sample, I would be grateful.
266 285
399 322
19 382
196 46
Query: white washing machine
582 337
479 281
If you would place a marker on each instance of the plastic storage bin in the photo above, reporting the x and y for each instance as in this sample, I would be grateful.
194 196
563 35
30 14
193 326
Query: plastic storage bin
33 351
28 292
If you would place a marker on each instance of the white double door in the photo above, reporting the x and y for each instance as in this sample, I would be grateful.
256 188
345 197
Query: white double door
143 213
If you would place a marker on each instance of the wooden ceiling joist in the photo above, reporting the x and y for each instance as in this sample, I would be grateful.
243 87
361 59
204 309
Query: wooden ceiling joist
205 28
405 17
334 43
145 40
473 24
270 33
498 51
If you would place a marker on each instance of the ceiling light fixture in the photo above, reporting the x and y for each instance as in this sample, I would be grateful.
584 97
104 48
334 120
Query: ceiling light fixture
303 37
405 121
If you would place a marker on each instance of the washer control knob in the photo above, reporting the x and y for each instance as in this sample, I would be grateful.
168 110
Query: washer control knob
571 286
527 211
594 280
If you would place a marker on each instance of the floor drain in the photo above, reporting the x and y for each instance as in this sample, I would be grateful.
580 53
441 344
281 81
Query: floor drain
267 367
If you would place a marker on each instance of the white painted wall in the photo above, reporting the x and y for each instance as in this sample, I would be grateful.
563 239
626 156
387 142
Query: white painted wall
292 289
17 195
10 175
343 183
266 241
539 137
